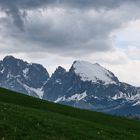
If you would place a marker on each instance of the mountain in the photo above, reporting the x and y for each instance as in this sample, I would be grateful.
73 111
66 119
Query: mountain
85 85
26 118
17 75
90 86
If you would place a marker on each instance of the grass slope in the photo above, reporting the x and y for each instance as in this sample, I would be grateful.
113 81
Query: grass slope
27 118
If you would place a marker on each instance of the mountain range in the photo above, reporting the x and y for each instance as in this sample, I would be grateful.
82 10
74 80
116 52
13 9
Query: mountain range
84 85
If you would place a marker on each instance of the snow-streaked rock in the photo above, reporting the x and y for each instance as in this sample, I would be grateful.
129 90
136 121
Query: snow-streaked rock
128 97
75 97
93 72
84 85
90 86
25 72
137 103
20 76
38 91
60 99
2 71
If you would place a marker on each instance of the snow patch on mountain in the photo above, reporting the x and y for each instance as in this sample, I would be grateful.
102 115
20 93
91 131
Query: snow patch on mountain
120 95
2 71
63 98
10 76
75 97
95 97
38 91
135 99
137 103
58 81
92 72
25 72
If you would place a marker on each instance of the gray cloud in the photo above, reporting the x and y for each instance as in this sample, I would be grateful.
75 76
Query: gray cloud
69 28
74 33
17 8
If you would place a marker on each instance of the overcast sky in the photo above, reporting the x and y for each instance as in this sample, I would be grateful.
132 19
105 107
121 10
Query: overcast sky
57 32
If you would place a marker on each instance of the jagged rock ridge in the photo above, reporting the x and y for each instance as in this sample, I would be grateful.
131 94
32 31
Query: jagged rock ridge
85 85
18 75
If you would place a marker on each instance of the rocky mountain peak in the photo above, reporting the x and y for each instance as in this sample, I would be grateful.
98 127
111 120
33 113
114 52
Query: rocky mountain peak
8 57
59 72
21 76
85 85
93 72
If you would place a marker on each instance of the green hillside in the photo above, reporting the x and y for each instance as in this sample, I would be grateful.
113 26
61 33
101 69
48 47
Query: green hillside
27 118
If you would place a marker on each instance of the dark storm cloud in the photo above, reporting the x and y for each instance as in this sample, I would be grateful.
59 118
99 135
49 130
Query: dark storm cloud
66 27
17 8
74 32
